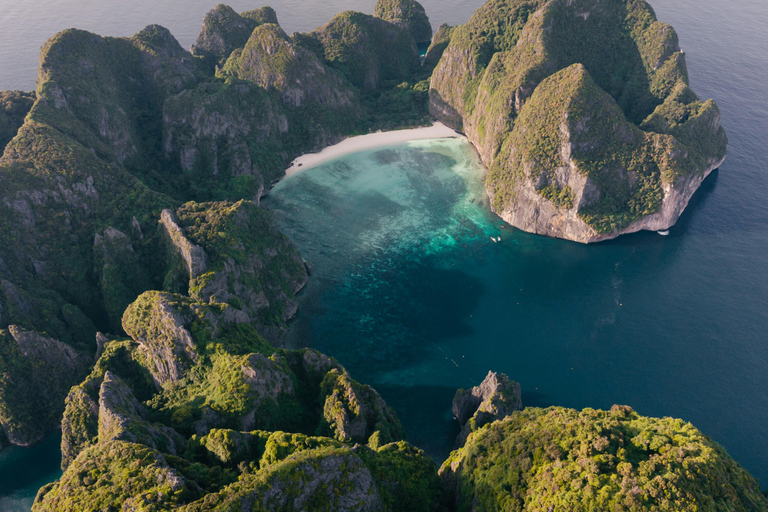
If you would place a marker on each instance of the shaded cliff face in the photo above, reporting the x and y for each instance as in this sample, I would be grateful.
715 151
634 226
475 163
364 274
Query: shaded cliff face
36 373
14 106
407 14
224 30
272 61
561 459
368 51
488 75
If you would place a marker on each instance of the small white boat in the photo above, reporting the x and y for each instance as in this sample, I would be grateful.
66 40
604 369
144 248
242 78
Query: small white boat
663 233
493 240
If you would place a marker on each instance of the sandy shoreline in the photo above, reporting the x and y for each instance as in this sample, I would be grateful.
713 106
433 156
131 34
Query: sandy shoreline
372 140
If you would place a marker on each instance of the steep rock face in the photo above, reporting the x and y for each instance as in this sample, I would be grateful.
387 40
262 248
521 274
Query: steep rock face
488 75
110 84
368 51
272 61
438 45
406 14
494 399
226 137
160 323
224 31
80 425
122 417
353 412
577 169
121 274
36 373
396 477
561 459
251 265
14 106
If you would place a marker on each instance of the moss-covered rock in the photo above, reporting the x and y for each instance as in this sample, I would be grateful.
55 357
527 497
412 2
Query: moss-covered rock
80 424
273 61
561 459
14 106
353 412
406 14
118 475
36 373
494 399
122 417
251 266
368 51
396 477
490 72
437 46
224 31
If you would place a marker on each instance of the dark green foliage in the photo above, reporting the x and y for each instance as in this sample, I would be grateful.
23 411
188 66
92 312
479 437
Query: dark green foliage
117 474
36 373
561 459
406 14
14 106
366 50
406 477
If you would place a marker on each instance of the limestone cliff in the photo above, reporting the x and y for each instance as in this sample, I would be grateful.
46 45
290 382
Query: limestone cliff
494 399
368 51
14 106
224 30
610 166
271 60
407 14
36 372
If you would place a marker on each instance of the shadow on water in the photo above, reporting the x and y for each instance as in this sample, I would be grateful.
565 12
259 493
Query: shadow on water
425 404
24 470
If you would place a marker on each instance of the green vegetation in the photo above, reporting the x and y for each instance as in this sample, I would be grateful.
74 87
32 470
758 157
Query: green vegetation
14 106
406 14
488 84
561 459
36 373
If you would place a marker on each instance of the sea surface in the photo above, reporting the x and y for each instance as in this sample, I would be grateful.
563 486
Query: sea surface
411 295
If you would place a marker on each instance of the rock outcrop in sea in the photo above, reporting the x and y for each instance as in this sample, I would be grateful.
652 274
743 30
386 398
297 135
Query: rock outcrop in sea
582 113
494 399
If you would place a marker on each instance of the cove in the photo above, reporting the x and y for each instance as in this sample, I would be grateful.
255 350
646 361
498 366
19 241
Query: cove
411 295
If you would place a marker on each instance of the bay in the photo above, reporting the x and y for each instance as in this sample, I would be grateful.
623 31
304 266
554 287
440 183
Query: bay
673 326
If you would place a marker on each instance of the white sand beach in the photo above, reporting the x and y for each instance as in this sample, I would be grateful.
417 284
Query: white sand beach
372 140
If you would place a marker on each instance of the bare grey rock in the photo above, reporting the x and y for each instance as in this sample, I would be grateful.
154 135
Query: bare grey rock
494 399
193 255
122 417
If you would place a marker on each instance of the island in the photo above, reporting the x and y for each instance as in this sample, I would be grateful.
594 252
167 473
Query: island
144 292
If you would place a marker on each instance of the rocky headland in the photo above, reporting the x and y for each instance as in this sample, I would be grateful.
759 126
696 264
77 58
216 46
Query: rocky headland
583 114
144 292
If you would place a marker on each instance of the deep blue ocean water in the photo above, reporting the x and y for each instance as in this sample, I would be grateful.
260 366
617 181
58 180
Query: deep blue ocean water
413 298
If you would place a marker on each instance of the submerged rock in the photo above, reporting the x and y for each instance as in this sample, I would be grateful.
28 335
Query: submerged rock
582 112
494 399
